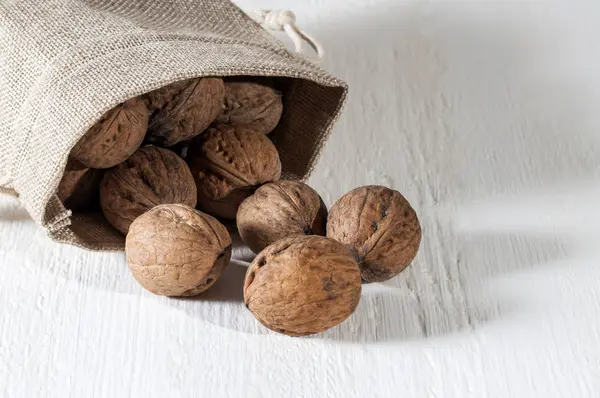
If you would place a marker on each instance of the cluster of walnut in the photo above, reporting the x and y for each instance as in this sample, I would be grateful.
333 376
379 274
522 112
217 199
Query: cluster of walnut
131 159
310 265
167 168
131 167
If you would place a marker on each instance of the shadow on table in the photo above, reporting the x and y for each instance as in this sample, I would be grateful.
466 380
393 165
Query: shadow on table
229 287
422 304
415 305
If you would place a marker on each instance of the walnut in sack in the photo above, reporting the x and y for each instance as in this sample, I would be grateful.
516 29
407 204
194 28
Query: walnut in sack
78 189
254 105
152 176
183 109
174 250
278 210
380 226
228 164
303 285
115 137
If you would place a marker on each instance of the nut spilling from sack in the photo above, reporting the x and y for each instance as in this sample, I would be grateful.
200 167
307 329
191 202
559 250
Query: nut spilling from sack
167 169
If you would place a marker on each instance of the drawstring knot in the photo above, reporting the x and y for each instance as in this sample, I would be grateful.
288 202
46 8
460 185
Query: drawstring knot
285 20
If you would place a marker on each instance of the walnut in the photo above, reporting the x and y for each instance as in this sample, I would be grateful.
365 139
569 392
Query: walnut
174 250
278 210
380 226
254 105
228 164
184 109
152 176
115 137
78 189
302 285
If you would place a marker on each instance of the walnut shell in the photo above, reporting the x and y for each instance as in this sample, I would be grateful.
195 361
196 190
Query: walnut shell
278 210
228 164
174 250
302 285
254 105
380 226
152 176
78 189
183 109
115 137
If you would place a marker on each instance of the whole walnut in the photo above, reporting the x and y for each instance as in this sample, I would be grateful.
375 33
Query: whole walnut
302 285
278 210
115 137
228 164
380 226
254 105
78 189
174 250
183 109
152 176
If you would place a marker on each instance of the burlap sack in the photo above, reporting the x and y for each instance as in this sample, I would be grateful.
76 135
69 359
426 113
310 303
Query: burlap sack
63 63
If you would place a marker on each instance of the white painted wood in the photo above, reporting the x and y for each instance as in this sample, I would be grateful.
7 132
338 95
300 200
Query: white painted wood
485 115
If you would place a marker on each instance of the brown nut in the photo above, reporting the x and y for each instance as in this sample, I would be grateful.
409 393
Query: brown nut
254 105
302 285
152 176
183 109
228 164
115 137
278 210
78 189
174 250
380 226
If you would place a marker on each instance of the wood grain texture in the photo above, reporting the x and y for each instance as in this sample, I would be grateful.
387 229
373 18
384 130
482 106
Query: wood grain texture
484 115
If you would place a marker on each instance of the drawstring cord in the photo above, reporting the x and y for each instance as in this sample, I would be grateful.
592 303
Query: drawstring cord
285 20
8 191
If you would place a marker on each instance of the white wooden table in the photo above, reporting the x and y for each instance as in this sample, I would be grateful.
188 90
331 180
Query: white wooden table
486 115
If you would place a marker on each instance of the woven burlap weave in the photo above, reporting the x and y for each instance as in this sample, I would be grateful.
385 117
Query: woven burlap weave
63 63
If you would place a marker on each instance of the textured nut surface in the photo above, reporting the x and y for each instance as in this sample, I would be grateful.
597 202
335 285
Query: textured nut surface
380 226
254 105
174 250
78 189
115 137
183 109
303 285
278 210
228 164
150 177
